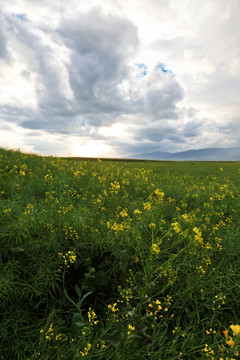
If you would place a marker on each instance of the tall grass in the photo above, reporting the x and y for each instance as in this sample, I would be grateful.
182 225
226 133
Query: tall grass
118 260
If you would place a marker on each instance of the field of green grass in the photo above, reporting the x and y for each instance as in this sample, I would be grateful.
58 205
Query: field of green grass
123 260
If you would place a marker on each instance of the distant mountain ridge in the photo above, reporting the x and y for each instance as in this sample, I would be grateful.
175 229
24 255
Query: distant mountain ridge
206 154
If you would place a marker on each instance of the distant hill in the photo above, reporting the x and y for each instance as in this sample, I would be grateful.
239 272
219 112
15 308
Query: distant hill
207 154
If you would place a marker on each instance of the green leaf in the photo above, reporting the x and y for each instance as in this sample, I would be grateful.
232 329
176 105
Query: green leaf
83 298
77 317
79 324
78 291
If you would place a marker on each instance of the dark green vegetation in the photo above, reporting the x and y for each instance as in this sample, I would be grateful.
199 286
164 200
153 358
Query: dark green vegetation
118 260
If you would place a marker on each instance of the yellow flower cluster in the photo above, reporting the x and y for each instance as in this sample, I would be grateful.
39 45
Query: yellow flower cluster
208 350
130 329
118 227
176 227
210 331
113 307
218 301
113 311
124 213
155 249
92 317
48 178
156 197
198 237
50 333
147 206
62 337
86 350
126 294
29 208
70 233
154 308
69 257
137 212
102 345
115 187
5 211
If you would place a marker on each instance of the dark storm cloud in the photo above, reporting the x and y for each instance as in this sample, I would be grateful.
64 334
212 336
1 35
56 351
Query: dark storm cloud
232 127
161 100
161 136
158 132
100 46
192 128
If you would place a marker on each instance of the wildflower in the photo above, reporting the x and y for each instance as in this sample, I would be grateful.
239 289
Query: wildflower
86 350
159 193
155 248
115 187
125 293
92 317
230 342
198 236
130 328
50 332
119 227
6 210
176 227
147 206
235 329
102 346
225 333
69 257
124 213
113 307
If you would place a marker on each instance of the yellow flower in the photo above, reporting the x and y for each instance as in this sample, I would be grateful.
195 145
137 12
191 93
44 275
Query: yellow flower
147 206
155 248
230 342
235 329
124 213
137 212
115 187
176 227
132 328
225 332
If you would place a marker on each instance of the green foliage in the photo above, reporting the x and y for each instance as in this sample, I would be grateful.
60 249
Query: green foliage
118 259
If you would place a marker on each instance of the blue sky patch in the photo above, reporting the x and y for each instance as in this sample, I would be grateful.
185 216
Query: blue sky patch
163 69
21 17
143 69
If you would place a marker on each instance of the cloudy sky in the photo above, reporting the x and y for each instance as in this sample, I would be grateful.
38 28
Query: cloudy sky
117 78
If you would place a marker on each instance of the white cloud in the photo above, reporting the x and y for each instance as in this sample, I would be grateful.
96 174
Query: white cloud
72 71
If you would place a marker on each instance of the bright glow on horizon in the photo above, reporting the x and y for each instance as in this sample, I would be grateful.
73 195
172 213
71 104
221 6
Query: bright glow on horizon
93 149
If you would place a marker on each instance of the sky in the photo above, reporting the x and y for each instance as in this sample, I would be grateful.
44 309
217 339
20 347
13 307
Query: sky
118 78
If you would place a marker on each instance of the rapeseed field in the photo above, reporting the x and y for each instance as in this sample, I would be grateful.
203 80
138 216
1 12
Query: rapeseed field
126 260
